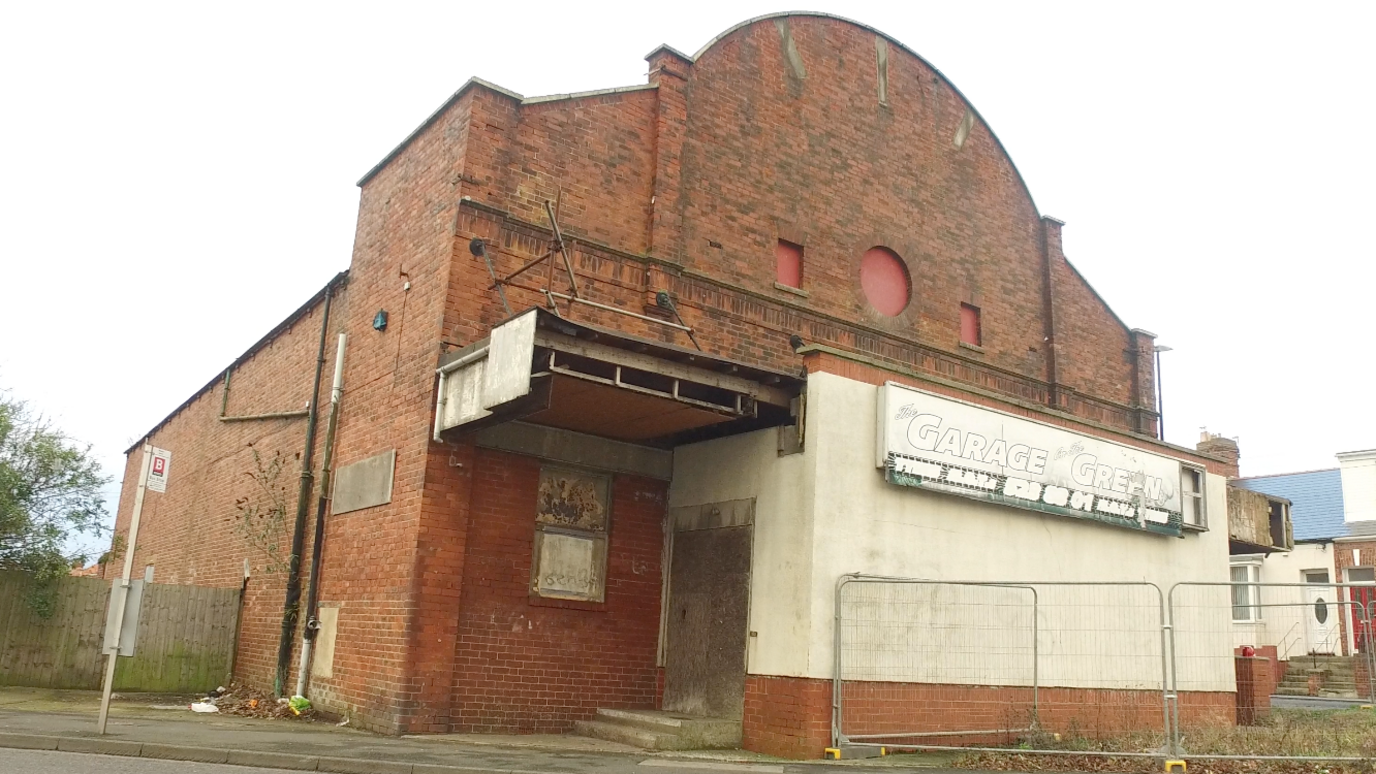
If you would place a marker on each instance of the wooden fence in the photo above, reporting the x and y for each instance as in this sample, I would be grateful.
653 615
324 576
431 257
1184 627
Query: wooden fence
185 638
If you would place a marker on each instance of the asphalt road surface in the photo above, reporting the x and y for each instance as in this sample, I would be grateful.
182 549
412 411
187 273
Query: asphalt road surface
14 761
52 762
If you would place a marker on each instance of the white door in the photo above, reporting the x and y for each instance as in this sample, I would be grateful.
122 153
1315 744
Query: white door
1321 613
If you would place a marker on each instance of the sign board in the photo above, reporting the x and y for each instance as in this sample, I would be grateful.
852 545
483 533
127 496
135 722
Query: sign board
129 629
494 379
509 353
937 443
157 470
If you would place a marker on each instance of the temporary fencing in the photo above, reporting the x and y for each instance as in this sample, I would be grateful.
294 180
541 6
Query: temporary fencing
945 664
1309 640
1110 669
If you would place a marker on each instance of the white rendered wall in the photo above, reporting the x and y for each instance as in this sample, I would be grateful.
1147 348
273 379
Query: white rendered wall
744 466
1359 485
829 511
1285 609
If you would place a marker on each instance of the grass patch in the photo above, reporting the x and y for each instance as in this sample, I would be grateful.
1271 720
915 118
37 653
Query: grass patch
1286 732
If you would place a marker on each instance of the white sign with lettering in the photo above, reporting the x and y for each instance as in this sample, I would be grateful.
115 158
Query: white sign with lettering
158 469
938 443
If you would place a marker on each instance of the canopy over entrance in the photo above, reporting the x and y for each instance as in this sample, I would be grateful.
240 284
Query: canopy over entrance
546 370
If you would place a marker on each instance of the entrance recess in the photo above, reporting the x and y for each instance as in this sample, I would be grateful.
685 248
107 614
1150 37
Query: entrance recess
708 609
1321 614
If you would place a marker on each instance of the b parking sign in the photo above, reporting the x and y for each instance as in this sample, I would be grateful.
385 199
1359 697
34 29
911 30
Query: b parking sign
157 471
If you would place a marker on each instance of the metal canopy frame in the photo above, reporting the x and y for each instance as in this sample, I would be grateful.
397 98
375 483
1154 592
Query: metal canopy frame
559 245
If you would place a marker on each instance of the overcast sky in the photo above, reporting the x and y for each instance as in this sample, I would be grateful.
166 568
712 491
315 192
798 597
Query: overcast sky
177 178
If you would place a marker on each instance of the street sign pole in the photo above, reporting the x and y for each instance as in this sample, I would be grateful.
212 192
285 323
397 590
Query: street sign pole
120 593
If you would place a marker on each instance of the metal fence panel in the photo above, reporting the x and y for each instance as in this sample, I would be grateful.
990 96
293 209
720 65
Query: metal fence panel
1310 640
931 664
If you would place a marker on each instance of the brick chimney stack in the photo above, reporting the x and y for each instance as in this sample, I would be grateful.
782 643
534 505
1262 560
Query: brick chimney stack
1220 448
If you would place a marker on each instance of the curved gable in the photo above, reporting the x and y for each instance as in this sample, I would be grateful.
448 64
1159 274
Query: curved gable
787 138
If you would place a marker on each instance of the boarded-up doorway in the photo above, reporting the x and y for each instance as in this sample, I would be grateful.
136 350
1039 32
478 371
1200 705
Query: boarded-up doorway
708 609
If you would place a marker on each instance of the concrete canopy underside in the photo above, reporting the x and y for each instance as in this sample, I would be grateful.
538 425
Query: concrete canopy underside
601 383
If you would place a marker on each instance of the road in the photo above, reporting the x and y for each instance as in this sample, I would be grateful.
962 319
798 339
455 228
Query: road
51 762
15 761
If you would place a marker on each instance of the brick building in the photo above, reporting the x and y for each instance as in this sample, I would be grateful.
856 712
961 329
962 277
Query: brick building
631 475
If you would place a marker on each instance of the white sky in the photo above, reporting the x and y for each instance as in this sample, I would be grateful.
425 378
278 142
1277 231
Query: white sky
178 178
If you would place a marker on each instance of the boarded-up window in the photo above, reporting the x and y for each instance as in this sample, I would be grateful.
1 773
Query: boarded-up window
572 513
789 263
969 325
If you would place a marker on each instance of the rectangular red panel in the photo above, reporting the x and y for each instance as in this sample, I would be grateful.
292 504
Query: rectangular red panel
790 264
969 325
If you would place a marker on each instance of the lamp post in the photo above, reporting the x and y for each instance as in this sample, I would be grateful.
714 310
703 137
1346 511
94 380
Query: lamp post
1160 413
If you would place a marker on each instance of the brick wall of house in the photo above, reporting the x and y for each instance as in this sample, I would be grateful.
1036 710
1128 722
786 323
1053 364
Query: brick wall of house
1342 560
535 665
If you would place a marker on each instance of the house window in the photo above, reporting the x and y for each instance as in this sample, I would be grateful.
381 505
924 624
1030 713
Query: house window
1246 597
571 517
884 281
1192 497
969 326
789 264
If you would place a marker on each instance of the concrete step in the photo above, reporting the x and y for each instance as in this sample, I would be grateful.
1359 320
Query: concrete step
1338 694
632 735
657 730
711 729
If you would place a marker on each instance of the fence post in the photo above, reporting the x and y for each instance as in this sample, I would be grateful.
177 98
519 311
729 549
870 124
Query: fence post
837 737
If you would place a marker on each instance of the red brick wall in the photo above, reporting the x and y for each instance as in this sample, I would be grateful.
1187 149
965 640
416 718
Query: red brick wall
787 716
684 187
791 717
1342 560
390 567
598 150
527 664
688 186
1255 683
188 533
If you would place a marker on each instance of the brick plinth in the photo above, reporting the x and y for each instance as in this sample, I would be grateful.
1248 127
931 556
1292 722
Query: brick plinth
1255 677
791 717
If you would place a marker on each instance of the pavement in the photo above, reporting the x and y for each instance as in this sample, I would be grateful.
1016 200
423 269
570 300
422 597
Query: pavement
41 719
1316 702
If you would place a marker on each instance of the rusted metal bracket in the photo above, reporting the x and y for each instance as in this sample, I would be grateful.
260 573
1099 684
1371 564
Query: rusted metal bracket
560 245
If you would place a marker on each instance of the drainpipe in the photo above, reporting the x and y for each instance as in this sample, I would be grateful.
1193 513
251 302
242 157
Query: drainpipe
313 594
291 605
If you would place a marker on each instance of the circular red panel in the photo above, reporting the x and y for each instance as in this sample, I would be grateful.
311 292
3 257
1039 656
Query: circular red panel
884 280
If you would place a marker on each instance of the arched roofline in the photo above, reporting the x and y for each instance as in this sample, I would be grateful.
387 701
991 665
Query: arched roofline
901 45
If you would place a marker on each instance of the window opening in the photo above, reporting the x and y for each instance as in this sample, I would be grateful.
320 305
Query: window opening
1246 597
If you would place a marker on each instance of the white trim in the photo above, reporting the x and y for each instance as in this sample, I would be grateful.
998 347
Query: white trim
594 93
